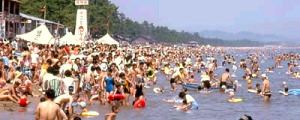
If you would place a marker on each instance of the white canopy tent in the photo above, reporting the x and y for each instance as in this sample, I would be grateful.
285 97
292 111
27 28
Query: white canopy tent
69 38
107 39
39 35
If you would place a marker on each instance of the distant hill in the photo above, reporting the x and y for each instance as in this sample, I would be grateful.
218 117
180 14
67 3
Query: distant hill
243 35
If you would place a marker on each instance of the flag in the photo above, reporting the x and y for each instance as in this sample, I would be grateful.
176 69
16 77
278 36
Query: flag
43 9
89 34
107 24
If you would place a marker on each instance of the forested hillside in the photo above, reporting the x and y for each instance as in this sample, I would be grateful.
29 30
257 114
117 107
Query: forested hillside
104 16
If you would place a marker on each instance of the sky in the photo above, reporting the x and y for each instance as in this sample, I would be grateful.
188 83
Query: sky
279 17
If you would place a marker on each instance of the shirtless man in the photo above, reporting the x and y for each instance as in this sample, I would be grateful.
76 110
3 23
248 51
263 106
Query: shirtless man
48 110
112 116
223 80
266 91
177 76
62 100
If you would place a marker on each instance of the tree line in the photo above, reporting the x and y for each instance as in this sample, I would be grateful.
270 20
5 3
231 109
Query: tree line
103 17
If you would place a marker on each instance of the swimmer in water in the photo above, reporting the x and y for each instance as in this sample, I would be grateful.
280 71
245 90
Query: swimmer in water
83 108
231 94
286 89
249 81
177 76
266 89
191 79
191 102
246 117
258 89
270 70
112 116
223 80
174 100
182 107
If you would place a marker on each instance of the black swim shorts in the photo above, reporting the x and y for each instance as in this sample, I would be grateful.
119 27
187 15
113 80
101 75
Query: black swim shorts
223 83
172 80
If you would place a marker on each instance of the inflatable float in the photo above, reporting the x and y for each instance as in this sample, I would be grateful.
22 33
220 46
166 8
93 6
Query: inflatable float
235 100
157 90
283 93
23 102
292 92
279 66
252 91
90 113
233 75
140 103
191 85
147 85
254 75
195 86
116 96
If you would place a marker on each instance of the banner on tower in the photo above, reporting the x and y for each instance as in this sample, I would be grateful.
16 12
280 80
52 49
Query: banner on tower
81 24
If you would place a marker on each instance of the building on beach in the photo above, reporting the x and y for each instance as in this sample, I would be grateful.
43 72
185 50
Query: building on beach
165 44
122 40
13 22
143 40
30 22
192 44
10 18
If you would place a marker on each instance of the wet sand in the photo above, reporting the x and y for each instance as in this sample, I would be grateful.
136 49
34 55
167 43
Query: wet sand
12 107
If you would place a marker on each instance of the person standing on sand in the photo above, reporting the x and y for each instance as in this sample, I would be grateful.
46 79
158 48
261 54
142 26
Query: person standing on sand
266 91
48 110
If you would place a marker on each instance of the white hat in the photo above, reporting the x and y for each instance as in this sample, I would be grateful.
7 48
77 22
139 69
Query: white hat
18 74
264 75
284 83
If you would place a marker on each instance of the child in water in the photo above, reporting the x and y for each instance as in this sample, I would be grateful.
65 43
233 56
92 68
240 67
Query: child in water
286 89
83 108
182 107
118 91
112 116
249 81
258 89
191 79
23 102
270 70
231 95
167 71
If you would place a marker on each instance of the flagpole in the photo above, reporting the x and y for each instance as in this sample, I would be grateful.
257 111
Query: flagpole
45 12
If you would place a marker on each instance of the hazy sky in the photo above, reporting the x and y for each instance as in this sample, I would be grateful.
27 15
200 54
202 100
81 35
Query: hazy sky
281 17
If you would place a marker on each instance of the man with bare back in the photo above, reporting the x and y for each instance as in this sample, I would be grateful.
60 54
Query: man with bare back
225 76
266 91
65 99
48 110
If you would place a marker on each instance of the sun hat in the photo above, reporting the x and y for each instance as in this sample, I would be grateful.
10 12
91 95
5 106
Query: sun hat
18 74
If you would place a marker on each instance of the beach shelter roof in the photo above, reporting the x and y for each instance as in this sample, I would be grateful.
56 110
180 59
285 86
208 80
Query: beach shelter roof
69 38
107 39
40 35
